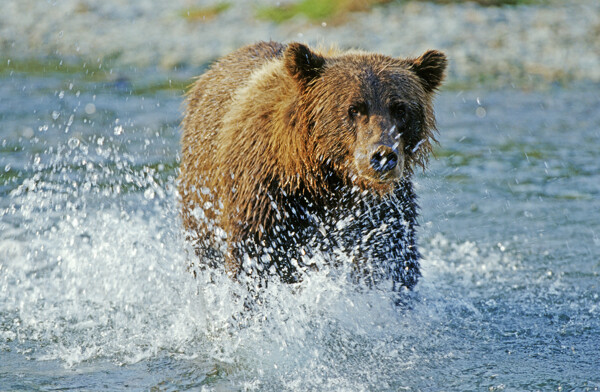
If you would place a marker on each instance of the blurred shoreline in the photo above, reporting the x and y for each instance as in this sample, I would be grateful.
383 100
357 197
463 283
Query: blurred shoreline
526 46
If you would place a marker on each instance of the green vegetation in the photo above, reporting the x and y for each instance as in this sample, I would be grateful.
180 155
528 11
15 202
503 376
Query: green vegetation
487 3
52 66
319 10
316 10
148 88
98 75
195 14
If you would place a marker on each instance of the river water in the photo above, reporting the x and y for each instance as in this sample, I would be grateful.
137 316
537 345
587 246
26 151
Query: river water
94 292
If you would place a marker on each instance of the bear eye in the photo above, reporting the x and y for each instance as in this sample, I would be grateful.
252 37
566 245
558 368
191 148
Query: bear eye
399 110
356 110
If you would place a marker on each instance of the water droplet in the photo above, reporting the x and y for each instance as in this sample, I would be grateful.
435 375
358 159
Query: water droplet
28 132
480 112
149 194
90 108
118 130
7 168
55 115
73 143
61 95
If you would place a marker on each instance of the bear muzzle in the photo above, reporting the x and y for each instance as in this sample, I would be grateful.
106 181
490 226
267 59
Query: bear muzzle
384 159
386 163
380 163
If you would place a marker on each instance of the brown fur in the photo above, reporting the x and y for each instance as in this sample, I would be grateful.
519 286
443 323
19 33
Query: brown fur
270 121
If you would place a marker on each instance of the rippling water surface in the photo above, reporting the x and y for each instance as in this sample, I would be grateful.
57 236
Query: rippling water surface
94 292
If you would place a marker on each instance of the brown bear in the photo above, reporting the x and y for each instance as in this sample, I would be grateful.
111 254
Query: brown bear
289 152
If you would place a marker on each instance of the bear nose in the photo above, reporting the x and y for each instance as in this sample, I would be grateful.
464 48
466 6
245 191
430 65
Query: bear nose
384 159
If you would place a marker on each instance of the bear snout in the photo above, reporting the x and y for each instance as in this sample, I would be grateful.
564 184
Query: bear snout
384 159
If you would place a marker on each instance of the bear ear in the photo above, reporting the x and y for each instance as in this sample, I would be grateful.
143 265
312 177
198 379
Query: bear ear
302 64
430 69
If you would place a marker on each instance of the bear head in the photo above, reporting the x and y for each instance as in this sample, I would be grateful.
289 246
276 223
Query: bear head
370 116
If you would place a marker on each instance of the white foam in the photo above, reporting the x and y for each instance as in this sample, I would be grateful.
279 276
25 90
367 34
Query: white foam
88 280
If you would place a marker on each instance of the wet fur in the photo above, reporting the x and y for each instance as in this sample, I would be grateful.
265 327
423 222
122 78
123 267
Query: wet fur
268 169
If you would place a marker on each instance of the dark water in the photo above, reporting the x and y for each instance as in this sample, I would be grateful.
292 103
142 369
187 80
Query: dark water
94 292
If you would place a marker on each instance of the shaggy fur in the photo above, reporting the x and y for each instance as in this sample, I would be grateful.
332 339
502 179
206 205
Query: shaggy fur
279 159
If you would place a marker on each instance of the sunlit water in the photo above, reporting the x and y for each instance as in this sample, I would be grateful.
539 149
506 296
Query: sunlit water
94 292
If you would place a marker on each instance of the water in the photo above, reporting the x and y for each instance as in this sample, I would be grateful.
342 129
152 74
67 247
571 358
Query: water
94 292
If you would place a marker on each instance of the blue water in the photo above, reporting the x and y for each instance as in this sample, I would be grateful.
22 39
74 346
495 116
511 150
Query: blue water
94 292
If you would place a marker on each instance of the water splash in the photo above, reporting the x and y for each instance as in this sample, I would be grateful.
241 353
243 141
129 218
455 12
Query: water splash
93 274
94 287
